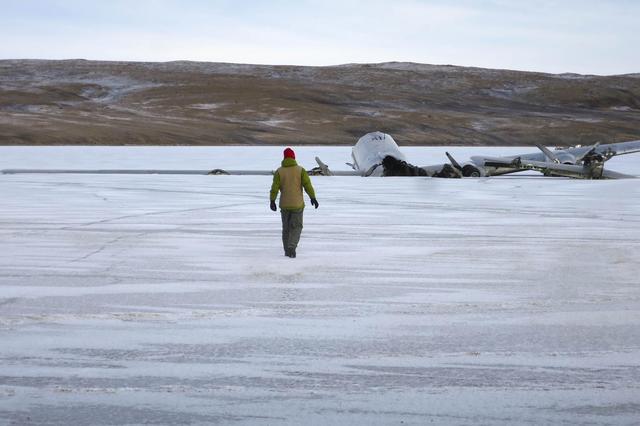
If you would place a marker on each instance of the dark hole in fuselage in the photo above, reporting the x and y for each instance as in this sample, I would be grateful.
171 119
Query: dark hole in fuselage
394 167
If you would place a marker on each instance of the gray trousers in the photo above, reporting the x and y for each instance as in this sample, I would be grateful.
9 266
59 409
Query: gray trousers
291 228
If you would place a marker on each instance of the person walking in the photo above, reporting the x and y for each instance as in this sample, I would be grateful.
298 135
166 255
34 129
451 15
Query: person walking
289 180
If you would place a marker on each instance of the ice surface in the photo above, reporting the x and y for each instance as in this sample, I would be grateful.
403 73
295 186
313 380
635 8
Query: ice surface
145 299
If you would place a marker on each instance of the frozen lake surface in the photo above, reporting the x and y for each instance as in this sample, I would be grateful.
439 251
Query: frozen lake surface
146 299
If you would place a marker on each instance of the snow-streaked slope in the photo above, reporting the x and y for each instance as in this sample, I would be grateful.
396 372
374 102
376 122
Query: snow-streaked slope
77 102
167 300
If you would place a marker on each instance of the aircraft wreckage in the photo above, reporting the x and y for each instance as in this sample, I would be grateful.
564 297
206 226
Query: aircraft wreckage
378 154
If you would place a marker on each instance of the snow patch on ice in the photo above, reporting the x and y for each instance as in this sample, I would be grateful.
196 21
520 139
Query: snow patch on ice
585 119
274 122
209 106
621 108
369 112
480 126
572 76
509 92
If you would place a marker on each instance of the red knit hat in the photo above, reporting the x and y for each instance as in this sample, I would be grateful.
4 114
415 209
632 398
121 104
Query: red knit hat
288 153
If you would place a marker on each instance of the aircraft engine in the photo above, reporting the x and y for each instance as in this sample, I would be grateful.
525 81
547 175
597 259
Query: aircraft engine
472 170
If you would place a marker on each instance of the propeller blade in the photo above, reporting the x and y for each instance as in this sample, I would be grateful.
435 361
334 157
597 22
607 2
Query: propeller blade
453 161
324 169
548 153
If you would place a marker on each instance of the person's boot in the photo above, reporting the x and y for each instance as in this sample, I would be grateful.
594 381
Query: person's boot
287 253
292 253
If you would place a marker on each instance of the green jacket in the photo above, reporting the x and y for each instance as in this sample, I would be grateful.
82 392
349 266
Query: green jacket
289 182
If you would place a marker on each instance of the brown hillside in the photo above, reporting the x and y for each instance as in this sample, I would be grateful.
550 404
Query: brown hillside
187 103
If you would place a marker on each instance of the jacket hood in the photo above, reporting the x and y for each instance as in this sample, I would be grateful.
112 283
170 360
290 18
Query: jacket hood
289 162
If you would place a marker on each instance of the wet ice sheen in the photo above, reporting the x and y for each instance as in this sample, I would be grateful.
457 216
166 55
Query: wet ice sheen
166 300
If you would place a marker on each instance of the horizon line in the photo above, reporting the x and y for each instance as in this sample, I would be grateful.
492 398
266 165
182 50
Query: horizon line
138 61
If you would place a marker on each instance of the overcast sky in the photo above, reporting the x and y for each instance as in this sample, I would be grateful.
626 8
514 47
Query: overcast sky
588 36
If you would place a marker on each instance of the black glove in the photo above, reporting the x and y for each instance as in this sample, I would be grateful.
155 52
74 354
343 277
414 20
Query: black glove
272 206
314 203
